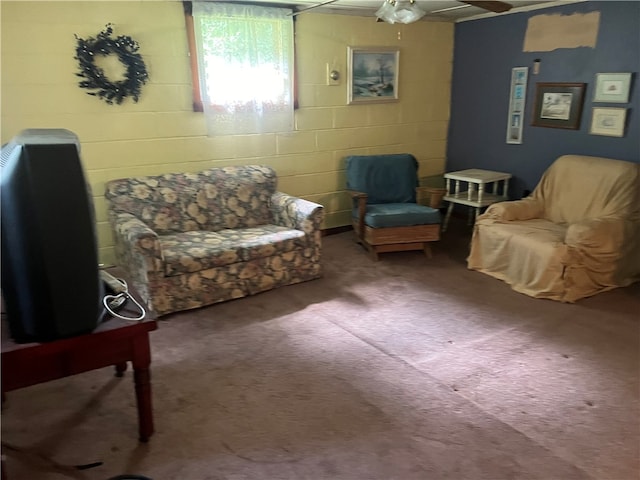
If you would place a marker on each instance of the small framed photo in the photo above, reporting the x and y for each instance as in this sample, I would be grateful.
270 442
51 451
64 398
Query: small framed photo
558 105
518 92
516 104
373 74
608 121
612 87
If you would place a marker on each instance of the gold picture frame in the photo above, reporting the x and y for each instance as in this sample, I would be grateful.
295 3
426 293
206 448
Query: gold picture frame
608 121
373 74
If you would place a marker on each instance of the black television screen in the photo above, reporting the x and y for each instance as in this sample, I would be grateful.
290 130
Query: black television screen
50 278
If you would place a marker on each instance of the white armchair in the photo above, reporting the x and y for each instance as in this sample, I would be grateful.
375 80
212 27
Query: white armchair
578 233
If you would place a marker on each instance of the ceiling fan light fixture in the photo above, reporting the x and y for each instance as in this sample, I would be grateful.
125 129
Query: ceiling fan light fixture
408 12
386 11
401 11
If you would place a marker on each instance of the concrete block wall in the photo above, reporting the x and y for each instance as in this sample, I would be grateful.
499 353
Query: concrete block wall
161 133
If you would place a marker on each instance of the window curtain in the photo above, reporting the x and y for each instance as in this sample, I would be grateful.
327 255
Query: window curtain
245 58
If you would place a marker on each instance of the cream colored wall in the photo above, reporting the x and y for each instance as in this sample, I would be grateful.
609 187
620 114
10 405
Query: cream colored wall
162 134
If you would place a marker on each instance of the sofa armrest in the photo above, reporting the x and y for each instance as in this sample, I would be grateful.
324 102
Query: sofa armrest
525 209
599 236
137 246
297 213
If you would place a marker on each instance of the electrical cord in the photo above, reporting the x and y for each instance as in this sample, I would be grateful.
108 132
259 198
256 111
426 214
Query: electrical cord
112 302
34 455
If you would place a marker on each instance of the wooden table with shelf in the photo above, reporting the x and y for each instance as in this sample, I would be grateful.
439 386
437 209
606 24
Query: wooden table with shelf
474 188
114 342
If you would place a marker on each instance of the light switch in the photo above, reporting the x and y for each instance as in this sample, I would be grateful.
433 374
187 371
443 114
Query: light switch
333 76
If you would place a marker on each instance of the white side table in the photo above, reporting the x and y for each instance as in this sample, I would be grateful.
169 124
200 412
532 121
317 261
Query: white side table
475 188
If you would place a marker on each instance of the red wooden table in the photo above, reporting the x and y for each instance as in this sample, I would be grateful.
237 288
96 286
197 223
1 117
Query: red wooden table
113 342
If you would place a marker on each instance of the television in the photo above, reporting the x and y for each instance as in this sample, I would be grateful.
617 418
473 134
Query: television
50 277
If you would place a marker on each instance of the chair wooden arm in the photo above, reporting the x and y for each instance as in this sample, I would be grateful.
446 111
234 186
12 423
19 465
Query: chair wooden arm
421 194
361 198
433 194
355 194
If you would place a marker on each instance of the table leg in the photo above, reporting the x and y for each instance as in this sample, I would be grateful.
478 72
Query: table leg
447 217
120 369
142 380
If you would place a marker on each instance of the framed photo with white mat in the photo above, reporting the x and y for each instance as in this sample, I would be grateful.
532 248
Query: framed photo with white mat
608 121
612 87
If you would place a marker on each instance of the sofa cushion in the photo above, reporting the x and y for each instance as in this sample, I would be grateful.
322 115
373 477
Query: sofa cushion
236 197
193 251
211 200
398 215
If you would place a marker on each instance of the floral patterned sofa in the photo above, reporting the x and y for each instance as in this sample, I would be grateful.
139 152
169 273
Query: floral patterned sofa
192 239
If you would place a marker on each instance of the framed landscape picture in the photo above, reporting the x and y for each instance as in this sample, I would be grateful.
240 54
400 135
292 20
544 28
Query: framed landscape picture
373 74
558 105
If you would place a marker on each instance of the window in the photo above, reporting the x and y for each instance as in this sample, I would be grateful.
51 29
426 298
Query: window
244 66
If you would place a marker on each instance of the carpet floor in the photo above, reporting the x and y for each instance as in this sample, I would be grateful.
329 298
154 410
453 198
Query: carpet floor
406 368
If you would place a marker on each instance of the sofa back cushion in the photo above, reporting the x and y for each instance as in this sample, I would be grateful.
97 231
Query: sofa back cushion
580 187
214 199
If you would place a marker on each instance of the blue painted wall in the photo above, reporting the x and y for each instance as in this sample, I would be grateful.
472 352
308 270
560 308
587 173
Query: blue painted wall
485 52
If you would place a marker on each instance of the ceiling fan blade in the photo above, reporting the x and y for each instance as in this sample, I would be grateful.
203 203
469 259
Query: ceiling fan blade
327 2
492 6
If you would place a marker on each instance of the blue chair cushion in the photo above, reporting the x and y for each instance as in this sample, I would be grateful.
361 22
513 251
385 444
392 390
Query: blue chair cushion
388 178
399 215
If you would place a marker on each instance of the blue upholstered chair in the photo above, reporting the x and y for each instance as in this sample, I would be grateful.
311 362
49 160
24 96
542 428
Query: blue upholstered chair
385 216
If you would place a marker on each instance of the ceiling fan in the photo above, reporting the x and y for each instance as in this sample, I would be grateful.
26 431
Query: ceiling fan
407 11
492 6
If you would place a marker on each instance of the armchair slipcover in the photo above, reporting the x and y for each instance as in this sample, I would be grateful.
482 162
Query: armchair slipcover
577 235
385 215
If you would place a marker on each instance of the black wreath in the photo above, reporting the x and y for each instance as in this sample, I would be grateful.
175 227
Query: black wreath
94 77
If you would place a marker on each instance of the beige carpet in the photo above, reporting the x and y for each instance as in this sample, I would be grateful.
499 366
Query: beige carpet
404 369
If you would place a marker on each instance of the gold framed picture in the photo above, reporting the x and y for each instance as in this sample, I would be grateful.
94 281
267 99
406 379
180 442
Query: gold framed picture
373 74
608 121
